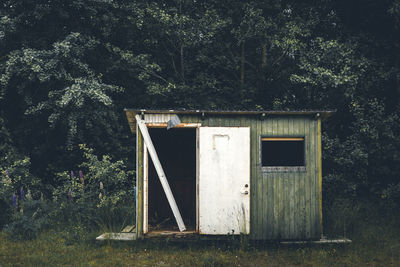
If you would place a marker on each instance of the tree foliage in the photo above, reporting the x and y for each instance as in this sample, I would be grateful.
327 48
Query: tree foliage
68 68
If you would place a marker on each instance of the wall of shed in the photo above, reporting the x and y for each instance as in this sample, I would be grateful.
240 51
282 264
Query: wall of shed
283 205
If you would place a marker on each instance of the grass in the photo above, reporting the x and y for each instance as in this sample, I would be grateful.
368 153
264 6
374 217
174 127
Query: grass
375 233
52 249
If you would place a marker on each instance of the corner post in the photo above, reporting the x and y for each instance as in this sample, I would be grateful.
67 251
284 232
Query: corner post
320 174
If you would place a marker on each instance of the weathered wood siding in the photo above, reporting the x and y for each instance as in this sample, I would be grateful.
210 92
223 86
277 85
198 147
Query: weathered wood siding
283 205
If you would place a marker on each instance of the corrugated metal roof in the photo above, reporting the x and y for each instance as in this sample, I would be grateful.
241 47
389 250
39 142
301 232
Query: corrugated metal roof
131 112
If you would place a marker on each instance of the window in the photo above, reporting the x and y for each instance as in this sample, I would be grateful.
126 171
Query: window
283 153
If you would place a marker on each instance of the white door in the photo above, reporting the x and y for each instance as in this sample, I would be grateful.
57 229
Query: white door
224 180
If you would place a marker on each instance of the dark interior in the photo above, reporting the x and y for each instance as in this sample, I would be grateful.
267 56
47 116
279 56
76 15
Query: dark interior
176 149
283 153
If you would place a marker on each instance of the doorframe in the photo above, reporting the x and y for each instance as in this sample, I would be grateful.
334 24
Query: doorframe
146 173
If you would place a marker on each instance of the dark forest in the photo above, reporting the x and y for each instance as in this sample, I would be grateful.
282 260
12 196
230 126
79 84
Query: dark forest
69 68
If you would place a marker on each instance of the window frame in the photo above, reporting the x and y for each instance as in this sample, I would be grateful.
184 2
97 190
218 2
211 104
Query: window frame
283 168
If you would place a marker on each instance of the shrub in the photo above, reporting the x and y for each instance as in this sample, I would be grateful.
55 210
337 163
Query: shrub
341 217
15 176
29 220
100 195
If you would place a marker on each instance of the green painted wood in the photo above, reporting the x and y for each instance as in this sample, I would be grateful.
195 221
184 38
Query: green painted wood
139 186
265 191
316 226
312 180
309 186
270 192
282 189
286 212
286 189
302 192
314 197
255 230
260 193
292 183
275 179
210 121
282 204
307 182
296 196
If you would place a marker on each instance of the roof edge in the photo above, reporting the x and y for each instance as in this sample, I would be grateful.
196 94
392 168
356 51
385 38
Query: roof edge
130 113
230 112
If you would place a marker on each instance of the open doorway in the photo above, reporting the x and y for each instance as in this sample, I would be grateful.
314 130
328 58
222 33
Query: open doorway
176 149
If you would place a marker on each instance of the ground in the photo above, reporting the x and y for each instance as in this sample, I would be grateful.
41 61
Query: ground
52 249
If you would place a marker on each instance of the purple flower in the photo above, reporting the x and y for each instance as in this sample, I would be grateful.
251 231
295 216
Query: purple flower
72 175
22 193
14 201
7 173
70 197
80 174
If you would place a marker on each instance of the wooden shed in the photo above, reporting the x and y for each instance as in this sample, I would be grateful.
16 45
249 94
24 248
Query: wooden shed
256 173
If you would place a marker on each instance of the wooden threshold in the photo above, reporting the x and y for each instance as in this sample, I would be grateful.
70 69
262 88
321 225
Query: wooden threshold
171 233
117 236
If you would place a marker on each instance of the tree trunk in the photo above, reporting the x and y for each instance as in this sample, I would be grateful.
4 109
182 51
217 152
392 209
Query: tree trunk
264 55
182 65
242 59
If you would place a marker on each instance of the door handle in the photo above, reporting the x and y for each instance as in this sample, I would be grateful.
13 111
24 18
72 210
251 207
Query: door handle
245 192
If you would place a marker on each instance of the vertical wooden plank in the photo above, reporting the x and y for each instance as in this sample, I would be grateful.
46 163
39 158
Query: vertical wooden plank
235 121
292 183
276 188
186 118
259 181
145 189
220 121
254 189
264 184
270 191
296 197
258 178
309 180
196 118
223 121
210 121
315 178
231 121
281 175
303 179
319 149
316 227
244 122
285 180
311 157
139 185
253 179
314 182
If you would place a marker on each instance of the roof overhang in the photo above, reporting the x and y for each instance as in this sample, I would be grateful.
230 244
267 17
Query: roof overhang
131 113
